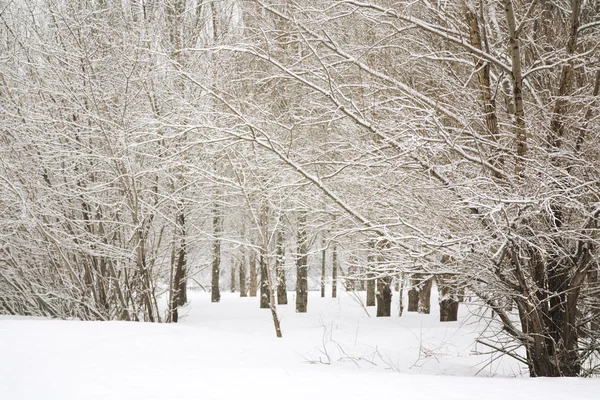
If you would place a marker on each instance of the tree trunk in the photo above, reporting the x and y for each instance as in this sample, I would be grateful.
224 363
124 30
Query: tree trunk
370 281
483 73
178 288
448 297
265 294
215 296
520 128
401 294
323 266
350 281
593 280
425 296
384 297
302 266
419 296
242 275
280 269
232 280
370 292
253 275
413 297
265 289
334 271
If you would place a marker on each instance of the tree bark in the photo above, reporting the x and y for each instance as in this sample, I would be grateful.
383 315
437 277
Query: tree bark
232 276
448 298
370 292
253 286
413 297
517 83
334 271
265 293
370 281
265 289
242 275
384 297
302 266
401 294
280 269
483 73
425 296
323 265
215 296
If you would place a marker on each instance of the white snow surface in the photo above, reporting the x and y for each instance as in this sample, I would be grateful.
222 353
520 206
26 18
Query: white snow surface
229 351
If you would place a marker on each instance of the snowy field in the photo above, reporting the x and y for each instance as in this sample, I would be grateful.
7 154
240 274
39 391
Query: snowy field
229 351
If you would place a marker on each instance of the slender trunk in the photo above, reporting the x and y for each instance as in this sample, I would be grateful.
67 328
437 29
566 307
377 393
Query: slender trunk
401 294
517 83
181 271
323 265
280 269
267 281
265 293
265 289
253 276
242 272
483 73
302 266
593 281
334 270
176 291
216 263
559 118
232 276
371 279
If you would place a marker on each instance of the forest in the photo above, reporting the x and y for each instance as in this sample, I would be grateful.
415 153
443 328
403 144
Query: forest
274 148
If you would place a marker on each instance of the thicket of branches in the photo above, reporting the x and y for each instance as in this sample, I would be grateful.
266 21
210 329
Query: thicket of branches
141 142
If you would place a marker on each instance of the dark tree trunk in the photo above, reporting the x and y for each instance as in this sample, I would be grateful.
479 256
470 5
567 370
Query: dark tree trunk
178 288
362 284
242 275
232 280
182 266
384 297
419 295
448 310
323 266
448 298
334 271
413 296
253 276
265 287
370 281
280 269
216 263
370 292
401 294
265 293
593 281
350 282
425 296
302 266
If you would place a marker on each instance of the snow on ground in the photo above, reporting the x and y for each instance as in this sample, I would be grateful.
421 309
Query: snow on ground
229 351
